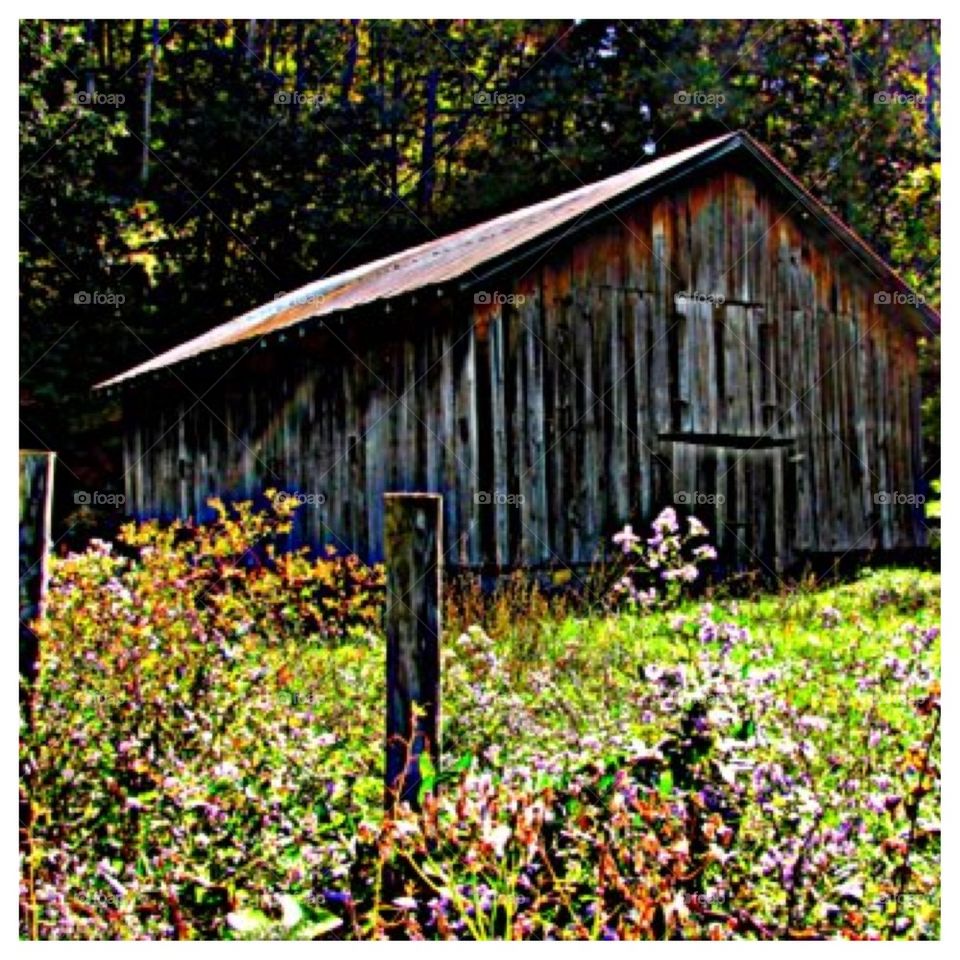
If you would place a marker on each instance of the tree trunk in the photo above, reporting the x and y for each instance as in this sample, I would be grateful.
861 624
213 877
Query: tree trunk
427 175
90 76
148 103
395 101
298 71
350 66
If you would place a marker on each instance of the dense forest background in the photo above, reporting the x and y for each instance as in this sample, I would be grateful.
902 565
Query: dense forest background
177 173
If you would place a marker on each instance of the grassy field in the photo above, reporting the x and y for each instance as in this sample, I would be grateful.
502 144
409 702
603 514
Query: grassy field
205 761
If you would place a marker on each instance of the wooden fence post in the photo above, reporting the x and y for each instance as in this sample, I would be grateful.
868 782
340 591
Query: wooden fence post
36 507
413 538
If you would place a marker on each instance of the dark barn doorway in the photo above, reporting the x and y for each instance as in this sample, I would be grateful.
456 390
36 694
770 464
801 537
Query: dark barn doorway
742 488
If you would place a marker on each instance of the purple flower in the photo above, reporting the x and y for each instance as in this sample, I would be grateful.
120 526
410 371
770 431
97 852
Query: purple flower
626 539
697 529
830 617
896 667
338 896
666 521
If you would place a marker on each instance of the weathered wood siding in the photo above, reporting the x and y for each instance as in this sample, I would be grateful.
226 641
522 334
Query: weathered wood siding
706 348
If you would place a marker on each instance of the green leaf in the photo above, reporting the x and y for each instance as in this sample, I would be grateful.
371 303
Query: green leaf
247 921
453 773
425 765
665 783
320 923
428 776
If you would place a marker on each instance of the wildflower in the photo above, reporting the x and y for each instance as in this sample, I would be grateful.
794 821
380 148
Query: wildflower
403 828
697 529
667 521
830 617
244 921
626 539
292 914
852 889
677 908
768 863
338 896
497 838
523 925
896 667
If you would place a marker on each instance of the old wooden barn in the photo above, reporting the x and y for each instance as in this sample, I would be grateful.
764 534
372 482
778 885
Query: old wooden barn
697 331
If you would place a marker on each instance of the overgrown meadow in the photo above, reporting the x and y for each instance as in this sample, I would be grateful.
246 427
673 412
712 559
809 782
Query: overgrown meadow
202 754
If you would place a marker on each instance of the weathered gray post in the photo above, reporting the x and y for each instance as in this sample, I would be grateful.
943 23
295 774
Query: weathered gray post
413 535
36 505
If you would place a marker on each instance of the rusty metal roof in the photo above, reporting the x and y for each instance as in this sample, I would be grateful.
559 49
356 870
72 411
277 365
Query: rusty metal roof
467 251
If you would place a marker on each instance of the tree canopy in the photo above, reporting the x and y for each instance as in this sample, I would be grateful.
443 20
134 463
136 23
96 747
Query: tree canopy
176 173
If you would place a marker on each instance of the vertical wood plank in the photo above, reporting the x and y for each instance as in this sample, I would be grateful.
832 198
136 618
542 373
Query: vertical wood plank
533 487
588 490
467 455
620 466
500 438
643 421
